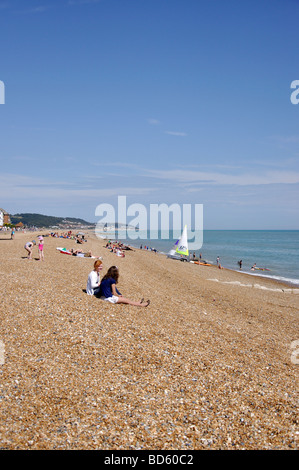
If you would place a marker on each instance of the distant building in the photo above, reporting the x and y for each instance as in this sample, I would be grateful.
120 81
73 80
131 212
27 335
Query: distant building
4 217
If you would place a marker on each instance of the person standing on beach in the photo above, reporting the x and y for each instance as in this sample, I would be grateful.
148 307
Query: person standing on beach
110 292
217 260
93 281
41 248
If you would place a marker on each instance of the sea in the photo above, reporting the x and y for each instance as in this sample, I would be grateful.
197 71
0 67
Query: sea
275 252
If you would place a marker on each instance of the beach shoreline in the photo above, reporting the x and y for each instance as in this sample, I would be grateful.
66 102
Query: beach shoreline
279 281
210 364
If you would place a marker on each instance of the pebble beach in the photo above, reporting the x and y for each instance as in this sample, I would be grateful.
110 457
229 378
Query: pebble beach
211 363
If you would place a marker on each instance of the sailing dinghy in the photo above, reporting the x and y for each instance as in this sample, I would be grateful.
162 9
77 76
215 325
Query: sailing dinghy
180 249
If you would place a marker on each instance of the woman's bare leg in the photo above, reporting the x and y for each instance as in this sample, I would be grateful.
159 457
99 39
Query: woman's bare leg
123 300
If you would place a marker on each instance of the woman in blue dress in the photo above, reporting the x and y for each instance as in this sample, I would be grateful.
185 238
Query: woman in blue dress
109 291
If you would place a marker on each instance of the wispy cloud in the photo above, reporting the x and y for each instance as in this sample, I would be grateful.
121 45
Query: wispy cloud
31 9
194 174
153 122
179 134
40 9
213 165
188 176
46 7
291 162
26 187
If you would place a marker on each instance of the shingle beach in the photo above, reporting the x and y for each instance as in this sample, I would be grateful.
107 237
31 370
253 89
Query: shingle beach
211 363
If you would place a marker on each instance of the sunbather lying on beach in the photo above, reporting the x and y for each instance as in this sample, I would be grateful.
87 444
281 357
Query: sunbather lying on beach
109 291
86 255
76 252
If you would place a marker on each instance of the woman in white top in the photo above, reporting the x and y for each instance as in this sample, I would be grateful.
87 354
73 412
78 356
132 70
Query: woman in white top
93 281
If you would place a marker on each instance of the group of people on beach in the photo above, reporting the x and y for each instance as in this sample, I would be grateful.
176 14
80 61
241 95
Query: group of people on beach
117 247
146 247
40 244
70 236
106 288
117 250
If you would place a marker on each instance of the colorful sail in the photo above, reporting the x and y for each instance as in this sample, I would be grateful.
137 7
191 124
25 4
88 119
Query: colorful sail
181 245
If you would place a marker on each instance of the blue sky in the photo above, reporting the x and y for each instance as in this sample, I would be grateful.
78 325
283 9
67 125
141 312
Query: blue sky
164 101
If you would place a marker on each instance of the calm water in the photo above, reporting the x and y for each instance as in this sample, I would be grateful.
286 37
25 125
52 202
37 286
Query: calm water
276 250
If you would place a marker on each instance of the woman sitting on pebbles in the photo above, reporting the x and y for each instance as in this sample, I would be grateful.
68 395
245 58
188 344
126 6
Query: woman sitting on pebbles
93 281
109 291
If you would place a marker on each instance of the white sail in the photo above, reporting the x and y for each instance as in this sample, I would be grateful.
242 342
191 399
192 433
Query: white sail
181 246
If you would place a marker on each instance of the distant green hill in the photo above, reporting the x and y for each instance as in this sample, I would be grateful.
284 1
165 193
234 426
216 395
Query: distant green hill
39 220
